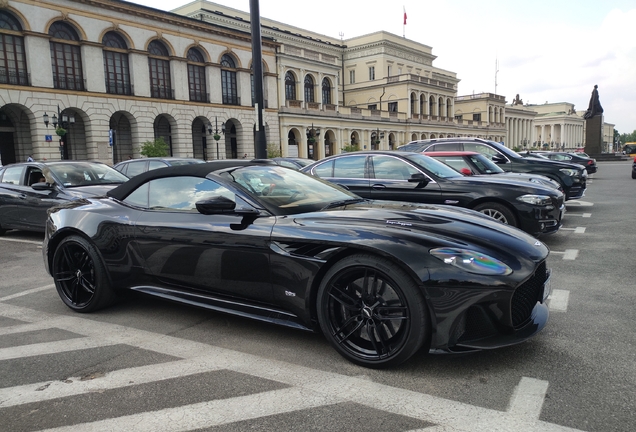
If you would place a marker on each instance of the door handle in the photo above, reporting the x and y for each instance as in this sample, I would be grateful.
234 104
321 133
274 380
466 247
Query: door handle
378 186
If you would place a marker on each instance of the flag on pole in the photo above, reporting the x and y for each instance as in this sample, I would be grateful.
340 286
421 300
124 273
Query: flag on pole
404 15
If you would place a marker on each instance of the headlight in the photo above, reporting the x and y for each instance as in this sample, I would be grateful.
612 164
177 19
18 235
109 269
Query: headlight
569 171
538 200
471 262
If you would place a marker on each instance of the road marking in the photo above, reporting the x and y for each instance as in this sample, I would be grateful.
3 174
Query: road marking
558 300
568 254
527 399
579 203
585 215
308 387
27 292
577 230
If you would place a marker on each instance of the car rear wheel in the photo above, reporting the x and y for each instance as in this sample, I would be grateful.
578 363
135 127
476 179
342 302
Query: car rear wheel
633 176
498 211
80 276
372 312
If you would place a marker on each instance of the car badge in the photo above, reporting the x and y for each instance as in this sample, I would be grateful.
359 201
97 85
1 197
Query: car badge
394 222
537 243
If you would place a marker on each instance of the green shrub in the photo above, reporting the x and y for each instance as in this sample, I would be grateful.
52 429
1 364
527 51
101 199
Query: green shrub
156 148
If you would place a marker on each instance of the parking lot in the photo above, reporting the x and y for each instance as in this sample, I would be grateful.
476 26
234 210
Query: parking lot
146 364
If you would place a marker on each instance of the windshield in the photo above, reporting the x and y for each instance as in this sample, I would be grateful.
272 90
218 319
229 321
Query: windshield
73 174
434 166
286 191
485 165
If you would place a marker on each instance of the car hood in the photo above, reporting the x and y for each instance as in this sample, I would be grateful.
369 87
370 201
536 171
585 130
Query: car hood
519 183
534 178
79 192
432 226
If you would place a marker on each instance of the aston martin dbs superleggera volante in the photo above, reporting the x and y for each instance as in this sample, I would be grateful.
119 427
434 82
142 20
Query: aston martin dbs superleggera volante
380 279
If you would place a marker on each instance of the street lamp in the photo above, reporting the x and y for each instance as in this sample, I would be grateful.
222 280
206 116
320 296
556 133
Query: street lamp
61 123
312 137
216 135
375 138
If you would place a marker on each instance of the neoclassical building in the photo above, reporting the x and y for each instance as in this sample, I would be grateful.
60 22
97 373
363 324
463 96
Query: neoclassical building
113 75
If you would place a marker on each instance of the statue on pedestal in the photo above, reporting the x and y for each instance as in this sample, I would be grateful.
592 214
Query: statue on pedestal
595 107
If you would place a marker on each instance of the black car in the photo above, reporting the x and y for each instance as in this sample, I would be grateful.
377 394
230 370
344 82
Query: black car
381 280
292 162
473 163
29 189
571 177
634 169
414 177
135 167
588 162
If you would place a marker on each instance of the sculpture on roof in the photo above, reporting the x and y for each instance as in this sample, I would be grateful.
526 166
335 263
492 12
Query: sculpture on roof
595 107
517 100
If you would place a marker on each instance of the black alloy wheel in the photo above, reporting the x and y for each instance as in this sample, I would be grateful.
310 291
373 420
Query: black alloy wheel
372 312
80 276
499 212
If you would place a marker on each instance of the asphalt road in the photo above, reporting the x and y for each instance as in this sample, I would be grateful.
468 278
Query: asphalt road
150 365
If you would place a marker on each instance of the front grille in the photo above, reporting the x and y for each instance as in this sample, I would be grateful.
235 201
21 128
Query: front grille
527 295
477 324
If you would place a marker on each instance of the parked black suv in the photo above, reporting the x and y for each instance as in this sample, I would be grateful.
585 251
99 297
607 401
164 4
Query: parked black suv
571 177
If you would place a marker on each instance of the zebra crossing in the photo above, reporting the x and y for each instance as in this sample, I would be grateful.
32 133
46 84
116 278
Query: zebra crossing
208 387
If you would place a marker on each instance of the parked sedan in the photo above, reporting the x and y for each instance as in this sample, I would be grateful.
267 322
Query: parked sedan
135 167
414 177
28 189
473 163
579 158
381 280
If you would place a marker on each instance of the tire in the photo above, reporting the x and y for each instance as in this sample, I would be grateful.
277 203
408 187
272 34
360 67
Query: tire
499 212
80 276
633 175
372 312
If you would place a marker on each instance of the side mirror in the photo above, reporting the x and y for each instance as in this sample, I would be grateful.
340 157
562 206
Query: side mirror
42 186
215 205
421 179
499 159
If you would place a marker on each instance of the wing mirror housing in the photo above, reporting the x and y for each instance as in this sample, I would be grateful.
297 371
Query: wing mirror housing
420 179
499 159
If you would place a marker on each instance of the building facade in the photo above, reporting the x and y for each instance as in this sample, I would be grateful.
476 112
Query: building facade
112 75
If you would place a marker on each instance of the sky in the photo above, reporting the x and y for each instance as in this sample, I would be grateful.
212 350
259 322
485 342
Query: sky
544 50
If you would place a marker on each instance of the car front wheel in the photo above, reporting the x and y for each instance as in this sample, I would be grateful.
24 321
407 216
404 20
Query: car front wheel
80 276
372 312
498 211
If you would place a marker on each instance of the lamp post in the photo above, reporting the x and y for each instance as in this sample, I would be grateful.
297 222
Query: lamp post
375 139
61 123
216 135
312 137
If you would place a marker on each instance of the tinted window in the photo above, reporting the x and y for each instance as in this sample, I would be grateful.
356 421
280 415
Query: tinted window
349 167
153 164
485 165
136 168
176 193
324 170
433 166
12 175
455 162
481 148
446 147
391 168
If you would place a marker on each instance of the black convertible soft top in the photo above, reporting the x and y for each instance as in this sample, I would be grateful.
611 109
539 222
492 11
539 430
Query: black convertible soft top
195 170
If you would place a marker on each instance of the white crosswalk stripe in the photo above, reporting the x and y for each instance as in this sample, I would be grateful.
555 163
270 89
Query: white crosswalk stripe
308 387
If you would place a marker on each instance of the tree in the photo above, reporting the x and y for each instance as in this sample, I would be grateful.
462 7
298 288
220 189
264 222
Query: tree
625 138
349 148
155 148
273 150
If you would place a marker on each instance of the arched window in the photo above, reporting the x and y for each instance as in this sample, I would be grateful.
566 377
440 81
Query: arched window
13 68
290 86
326 91
196 76
309 88
116 67
65 57
159 65
228 80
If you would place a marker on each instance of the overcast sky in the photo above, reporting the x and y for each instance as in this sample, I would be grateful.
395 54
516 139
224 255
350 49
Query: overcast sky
546 50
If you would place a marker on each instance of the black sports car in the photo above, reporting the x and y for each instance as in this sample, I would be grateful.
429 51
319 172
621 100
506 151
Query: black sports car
414 177
28 189
381 279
